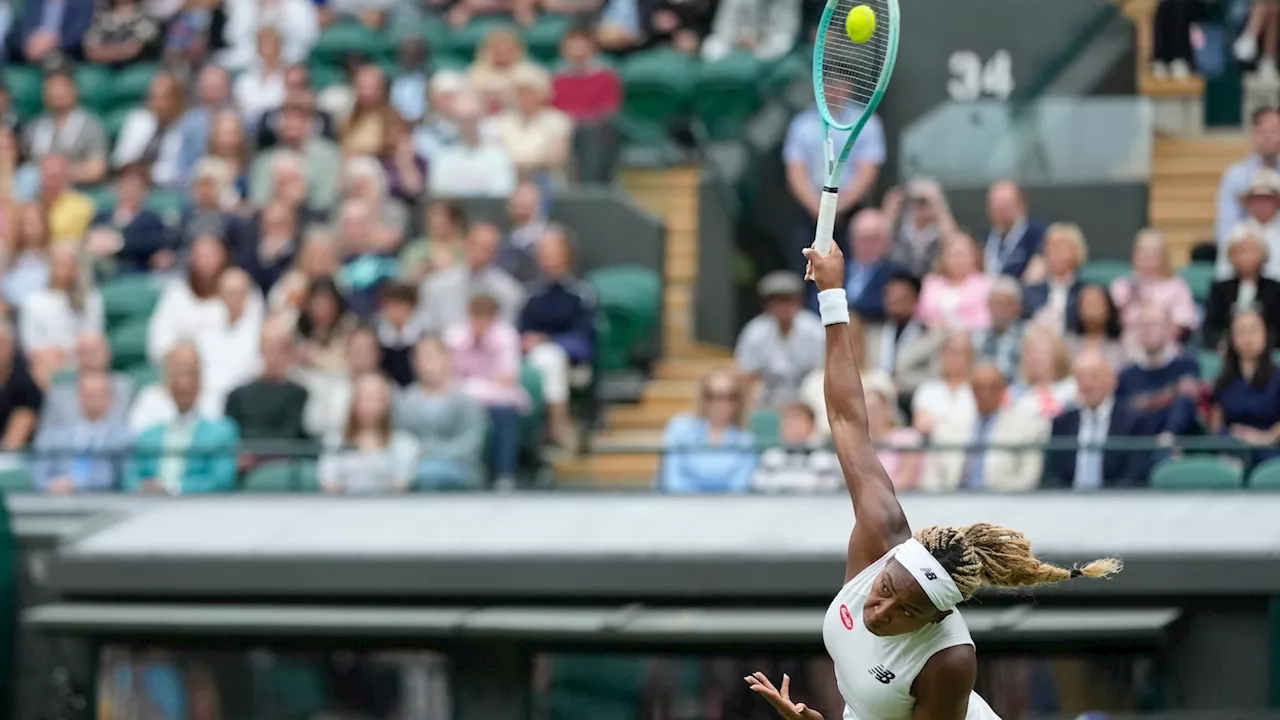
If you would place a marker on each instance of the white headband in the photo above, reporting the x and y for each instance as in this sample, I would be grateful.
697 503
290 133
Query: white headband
928 572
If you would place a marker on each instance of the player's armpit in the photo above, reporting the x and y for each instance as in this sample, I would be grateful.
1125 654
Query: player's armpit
944 684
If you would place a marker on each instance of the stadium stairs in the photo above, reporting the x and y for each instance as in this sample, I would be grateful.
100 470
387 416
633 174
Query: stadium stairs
624 455
1184 187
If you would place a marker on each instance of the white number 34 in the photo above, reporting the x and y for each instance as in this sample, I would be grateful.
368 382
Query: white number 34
972 79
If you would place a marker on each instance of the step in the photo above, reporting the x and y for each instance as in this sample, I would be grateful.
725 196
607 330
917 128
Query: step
1191 167
1162 210
643 416
627 440
1150 86
631 471
667 389
1236 143
690 368
1194 192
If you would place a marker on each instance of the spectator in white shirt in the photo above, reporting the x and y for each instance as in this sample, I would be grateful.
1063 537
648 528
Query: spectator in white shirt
472 166
229 351
781 345
947 397
764 28
1235 181
189 306
154 404
152 135
538 137
295 20
329 394
51 319
261 89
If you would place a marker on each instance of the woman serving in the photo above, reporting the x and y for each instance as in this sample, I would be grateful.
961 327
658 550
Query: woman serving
901 651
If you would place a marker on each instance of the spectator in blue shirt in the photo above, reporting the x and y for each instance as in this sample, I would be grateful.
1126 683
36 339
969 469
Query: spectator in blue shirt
709 451
557 324
805 155
869 266
85 453
1165 383
1246 394
1237 179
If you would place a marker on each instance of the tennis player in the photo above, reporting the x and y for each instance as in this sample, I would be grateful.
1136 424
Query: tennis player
901 650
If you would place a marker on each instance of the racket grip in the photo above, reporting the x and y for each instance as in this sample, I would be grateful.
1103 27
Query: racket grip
822 239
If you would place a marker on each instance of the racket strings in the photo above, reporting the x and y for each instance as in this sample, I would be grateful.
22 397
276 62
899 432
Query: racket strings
851 71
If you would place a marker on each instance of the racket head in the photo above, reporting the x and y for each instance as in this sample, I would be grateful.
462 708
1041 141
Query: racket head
850 79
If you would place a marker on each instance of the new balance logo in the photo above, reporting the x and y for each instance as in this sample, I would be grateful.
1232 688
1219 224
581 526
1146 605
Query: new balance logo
929 573
881 674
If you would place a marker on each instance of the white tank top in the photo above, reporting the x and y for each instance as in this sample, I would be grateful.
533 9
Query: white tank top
874 673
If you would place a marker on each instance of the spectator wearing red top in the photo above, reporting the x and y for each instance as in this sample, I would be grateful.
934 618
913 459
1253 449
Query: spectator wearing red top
584 88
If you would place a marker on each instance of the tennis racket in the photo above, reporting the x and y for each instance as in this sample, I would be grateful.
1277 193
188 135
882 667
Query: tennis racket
849 81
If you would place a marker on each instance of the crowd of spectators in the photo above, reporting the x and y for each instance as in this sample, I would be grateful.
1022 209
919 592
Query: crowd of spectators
324 288
994 361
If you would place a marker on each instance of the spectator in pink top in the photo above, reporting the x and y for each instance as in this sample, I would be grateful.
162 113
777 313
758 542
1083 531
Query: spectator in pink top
954 295
584 88
1153 282
486 361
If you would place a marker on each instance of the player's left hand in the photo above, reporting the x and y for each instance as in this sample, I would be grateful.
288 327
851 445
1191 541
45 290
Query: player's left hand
781 699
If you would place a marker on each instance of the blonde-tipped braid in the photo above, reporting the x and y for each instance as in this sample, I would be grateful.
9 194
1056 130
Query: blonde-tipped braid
985 554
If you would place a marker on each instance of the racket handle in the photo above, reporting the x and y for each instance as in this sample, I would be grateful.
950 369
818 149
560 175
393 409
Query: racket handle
822 239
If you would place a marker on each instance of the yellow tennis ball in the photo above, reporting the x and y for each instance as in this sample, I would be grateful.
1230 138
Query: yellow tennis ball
860 24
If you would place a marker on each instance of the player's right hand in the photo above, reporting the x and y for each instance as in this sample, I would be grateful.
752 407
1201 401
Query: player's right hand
827 271
781 699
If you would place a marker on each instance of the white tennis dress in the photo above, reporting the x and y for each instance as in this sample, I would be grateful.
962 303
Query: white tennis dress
874 673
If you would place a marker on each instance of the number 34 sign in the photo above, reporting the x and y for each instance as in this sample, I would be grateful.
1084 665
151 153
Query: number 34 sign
972 79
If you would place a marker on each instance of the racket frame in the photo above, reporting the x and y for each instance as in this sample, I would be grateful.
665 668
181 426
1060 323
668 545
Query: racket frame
835 163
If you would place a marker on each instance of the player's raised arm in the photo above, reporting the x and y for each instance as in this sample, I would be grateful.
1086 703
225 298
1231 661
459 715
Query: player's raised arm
879 521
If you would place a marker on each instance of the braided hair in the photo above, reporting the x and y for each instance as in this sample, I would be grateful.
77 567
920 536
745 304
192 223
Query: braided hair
983 554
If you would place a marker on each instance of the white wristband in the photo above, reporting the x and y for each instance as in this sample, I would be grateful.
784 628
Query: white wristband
833 306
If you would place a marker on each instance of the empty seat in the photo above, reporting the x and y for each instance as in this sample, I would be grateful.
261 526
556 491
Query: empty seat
1210 364
143 375
129 344
1266 476
1196 473
168 204
1102 272
630 296
130 84
465 41
766 426
658 91
97 88
131 297
26 87
726 94
16 480
283 476
543 39
1199 277
342 39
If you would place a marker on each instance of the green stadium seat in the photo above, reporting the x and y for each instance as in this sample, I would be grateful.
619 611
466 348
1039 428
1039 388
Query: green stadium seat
129 87
1196 473
325 76
766 425
597 687
342 39
16 480
1199 277
658 90
26 87
630 297
785 71
97 87
1102 272
450 61
431 30
543 39
131 297
726 94
1210 364
298 689
102 195
65 377
466 40
533 424
128 344
283 476
143 375
1266 476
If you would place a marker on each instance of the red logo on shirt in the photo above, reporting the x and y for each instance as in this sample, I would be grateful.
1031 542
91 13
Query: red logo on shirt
845 617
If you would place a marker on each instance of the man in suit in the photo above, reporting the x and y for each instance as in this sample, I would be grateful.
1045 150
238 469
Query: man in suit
1098 417
868 266
1014 240
1001 344
52 31
1247 287
903 347
1053 301
190 454
84 453
994 424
